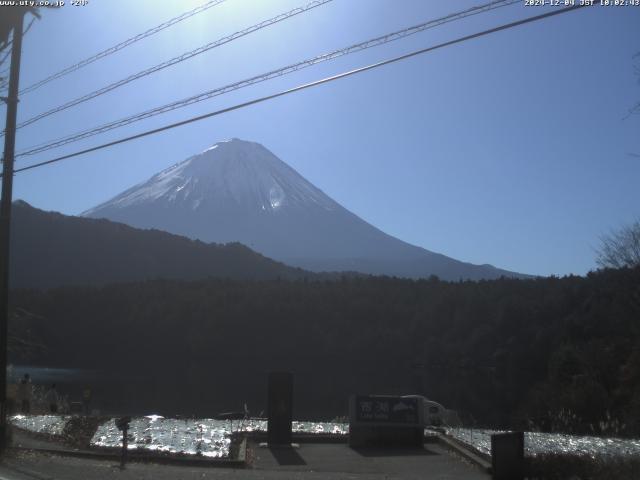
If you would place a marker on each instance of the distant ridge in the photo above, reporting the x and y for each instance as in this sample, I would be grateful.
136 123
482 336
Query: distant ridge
240 191
49 249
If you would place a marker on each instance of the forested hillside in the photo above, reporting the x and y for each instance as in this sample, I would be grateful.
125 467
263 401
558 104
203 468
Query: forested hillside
559 353
50 249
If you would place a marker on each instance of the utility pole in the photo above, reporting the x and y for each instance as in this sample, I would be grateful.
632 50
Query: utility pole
5 212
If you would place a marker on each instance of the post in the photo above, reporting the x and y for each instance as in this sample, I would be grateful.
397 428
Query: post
5 214
123 424
125 445
507 456
279 408
86 399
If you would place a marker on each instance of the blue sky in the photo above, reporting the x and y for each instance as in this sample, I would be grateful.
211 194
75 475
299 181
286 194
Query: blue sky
513 149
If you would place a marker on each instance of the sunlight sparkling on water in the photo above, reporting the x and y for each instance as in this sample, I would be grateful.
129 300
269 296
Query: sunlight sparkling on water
206 437
49 424
536 443
196 437
253 425
211 438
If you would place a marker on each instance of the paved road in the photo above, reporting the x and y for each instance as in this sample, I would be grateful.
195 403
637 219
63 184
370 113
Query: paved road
430 462
309 462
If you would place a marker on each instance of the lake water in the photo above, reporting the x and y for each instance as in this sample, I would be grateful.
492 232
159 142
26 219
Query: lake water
46 375
211 438
536 443
206 437
49 424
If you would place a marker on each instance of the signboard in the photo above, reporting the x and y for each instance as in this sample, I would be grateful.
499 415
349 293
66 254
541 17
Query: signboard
385 421
386 410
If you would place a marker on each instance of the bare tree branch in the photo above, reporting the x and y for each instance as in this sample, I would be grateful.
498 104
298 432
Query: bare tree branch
621 248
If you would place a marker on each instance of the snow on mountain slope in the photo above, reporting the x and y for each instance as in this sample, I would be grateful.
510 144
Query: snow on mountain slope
240 191
241 173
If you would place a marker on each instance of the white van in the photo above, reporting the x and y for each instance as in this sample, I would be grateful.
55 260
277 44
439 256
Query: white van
435 415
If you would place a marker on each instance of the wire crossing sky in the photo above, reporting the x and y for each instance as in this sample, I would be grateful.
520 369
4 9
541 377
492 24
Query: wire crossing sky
121 45
174 61
305 86
374 42
514 149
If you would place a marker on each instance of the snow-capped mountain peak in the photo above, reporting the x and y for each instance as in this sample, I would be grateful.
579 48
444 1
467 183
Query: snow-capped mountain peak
238 191
243 173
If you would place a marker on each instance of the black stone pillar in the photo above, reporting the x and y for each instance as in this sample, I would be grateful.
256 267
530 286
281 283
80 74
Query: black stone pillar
507 456
280 408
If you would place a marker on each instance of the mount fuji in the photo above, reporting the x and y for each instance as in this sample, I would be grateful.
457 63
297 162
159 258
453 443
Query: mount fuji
238 191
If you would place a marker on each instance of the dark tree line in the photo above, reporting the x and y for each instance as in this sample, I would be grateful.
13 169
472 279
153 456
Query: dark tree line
555 353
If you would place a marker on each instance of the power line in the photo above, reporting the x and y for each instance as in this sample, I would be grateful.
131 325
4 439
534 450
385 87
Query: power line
4 83
305 86
264 77
10 42
121 45
4 58
175 60
26 30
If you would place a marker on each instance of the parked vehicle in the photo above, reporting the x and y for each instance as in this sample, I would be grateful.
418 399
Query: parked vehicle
436 415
